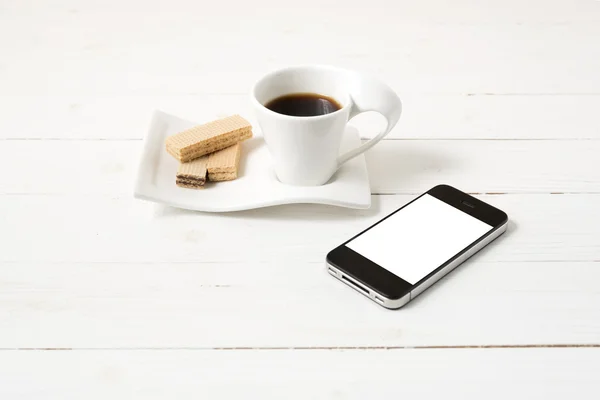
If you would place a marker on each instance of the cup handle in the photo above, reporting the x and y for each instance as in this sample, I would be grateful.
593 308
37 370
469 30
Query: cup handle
370 94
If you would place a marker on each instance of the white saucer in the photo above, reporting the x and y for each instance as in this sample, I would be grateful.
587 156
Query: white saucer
256 186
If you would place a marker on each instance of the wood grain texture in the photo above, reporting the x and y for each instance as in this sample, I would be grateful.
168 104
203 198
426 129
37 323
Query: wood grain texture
291 304
326 374
87 229
404 167
499 97
460 12
148 51
425 116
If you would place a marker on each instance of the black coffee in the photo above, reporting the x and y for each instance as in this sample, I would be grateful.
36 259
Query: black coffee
303 105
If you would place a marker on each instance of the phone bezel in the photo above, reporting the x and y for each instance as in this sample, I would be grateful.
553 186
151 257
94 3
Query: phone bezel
391 286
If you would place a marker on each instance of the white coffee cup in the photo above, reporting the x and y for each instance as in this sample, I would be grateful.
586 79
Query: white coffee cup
305 150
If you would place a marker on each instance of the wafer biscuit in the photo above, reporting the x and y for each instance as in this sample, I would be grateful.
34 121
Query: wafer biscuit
223 165
208 138
192 174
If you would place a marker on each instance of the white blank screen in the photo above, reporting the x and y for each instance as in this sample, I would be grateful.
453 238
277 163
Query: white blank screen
419 238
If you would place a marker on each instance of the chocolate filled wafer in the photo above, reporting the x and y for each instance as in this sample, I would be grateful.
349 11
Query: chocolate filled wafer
192 175
208 138
223 165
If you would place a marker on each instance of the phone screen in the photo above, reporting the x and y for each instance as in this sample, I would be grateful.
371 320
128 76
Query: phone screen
419 238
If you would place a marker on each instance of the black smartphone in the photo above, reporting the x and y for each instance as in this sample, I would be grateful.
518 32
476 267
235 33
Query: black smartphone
396 259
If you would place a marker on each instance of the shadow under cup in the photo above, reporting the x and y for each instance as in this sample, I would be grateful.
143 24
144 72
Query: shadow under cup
304 149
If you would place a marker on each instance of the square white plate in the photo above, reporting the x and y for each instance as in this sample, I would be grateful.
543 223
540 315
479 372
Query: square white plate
256 185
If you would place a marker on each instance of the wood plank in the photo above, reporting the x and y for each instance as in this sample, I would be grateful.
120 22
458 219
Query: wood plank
433 11
425 116
78 270
194 50
502 167
232 305
325 374
120 229
405 167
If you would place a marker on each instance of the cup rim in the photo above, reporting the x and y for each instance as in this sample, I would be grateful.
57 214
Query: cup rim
296 67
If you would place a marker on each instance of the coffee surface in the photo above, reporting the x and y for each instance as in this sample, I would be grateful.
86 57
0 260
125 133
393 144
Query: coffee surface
303 105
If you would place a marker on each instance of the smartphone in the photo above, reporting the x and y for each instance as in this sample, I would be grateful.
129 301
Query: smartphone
396 259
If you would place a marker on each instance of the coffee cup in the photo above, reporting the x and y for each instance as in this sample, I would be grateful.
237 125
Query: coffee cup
304 138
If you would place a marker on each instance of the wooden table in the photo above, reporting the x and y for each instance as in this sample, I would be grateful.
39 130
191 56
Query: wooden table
104 296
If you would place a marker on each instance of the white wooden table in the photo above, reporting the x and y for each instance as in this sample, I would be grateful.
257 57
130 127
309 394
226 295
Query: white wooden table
103 296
